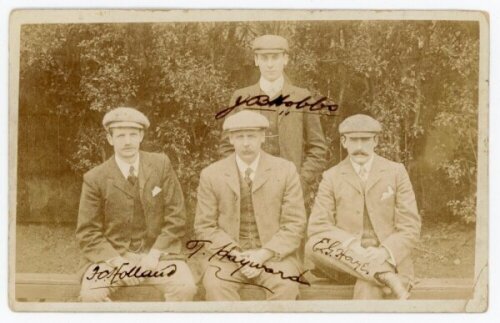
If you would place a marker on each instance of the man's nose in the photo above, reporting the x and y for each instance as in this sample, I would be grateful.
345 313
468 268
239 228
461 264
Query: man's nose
127 140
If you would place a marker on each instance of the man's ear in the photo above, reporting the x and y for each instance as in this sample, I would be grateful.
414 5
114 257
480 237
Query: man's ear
375 139
110 138
342 141
285 59
256 59
141 135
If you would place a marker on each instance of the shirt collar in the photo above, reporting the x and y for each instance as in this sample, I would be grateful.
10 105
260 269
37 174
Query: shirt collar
367 166
272 87
125 167
242 166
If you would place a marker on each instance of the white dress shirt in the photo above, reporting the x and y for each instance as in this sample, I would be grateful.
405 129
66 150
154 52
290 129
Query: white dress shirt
125 167
367 166
242 166
272 88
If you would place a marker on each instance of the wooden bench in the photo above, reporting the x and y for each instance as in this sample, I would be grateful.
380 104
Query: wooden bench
65 288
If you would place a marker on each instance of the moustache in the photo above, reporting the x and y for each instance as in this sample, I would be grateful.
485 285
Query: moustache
359 153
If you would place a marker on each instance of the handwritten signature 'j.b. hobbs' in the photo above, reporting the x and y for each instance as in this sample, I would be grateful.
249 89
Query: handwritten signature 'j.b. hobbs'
262 101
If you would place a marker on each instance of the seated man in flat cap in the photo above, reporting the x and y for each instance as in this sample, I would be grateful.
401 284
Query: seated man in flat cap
364 220
131 218
297 137
251 205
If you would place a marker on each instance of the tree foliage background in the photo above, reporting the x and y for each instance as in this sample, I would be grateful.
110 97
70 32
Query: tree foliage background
418 78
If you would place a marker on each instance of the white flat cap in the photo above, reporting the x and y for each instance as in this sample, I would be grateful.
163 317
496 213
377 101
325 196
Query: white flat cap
361 125
124 117
245 120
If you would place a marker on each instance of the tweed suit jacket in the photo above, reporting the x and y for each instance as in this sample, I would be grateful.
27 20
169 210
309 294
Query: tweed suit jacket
107 207
277 200
390 202
301 137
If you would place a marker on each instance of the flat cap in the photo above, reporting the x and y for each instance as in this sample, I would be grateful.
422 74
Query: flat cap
270 44
245 120
361 124
125 118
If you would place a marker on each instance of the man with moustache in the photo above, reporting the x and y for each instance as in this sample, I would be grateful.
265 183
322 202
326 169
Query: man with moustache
297 136
132 218
364 221
250 202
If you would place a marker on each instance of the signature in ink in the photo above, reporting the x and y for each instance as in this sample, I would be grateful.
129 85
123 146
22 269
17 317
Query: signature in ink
225 252
332 249
263 102
118 274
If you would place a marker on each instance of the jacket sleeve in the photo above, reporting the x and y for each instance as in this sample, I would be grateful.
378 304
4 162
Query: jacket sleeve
90 227
315 147
174 217
206 219
322 219
225 147
407 220
292 218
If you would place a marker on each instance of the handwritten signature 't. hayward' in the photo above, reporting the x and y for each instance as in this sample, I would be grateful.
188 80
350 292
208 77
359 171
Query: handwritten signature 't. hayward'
225 253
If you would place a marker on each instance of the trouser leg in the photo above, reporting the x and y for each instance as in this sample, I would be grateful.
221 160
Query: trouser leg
220 283
330 255
96 288
277 287
364 289
327 254
179 286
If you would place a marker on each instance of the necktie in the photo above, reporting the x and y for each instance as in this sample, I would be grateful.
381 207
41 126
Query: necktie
247 178
363 174
131 176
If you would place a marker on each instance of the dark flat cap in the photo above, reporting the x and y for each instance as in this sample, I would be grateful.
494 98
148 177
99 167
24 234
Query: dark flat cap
360 124
124 117
270 44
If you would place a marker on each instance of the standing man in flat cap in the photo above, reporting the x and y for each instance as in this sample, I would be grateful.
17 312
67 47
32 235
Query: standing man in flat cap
297 136
364 220
251 204
132 218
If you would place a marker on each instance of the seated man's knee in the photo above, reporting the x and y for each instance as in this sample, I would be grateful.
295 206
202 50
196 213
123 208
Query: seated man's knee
182 286
180 292
285 290
94 294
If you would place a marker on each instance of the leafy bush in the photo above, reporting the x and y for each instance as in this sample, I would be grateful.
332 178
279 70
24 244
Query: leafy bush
419 78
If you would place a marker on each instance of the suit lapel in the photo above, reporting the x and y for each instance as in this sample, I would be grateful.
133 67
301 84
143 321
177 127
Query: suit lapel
350 175
375 173
287 90
119 180
231 174
145 171
263 171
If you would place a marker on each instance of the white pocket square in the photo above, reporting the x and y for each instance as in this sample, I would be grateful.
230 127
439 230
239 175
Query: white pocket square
155 191
389 193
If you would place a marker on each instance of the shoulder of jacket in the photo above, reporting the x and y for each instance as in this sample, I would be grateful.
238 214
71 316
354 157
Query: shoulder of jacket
246 89
156 157
215 168
97 172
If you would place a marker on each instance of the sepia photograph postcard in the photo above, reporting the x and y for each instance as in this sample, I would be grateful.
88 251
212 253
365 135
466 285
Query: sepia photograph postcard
248 160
